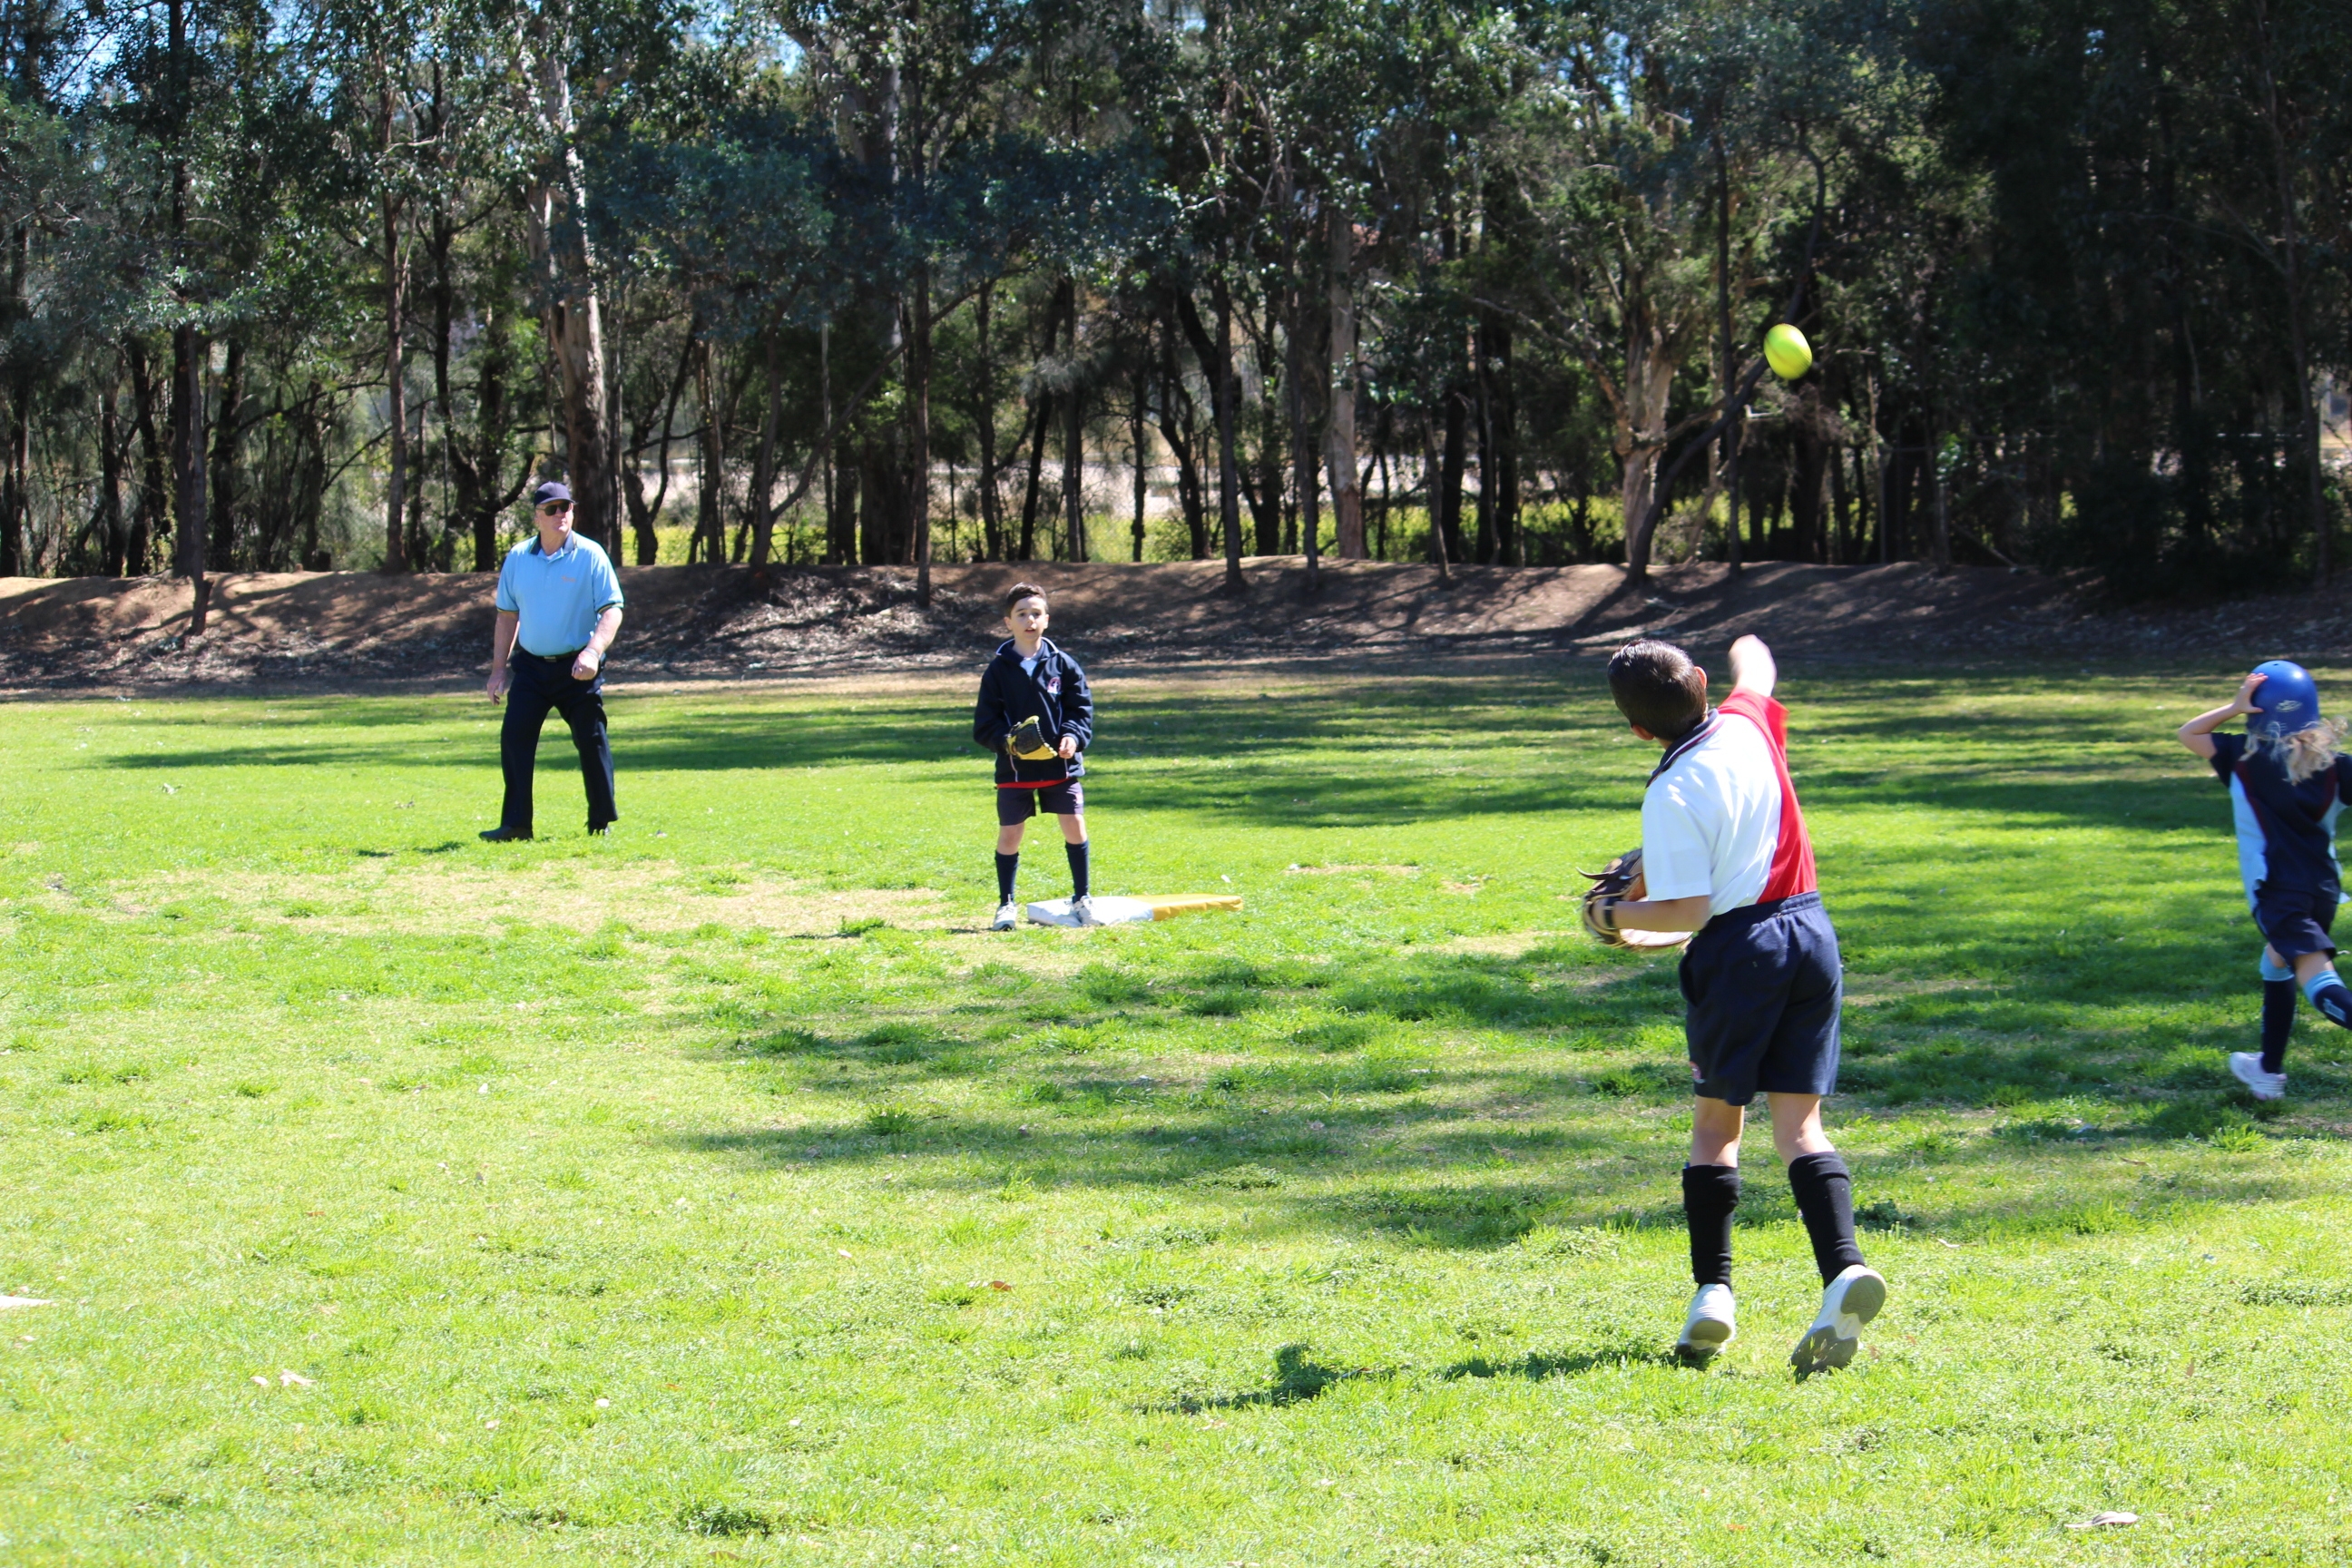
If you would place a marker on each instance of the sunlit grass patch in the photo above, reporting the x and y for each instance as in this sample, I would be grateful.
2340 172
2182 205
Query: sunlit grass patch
723 1188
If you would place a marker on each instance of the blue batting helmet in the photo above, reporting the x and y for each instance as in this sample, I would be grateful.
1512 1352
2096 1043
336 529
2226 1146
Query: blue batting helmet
2287 700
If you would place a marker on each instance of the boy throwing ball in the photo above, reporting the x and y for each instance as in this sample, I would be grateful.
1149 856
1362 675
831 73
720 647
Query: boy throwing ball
1035 715
1724 854
2286 784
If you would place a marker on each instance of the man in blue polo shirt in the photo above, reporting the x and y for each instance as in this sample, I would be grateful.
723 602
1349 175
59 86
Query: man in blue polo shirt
559 609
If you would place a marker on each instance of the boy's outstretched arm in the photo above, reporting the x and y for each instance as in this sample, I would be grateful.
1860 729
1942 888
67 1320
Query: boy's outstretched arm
1752 668
2198 733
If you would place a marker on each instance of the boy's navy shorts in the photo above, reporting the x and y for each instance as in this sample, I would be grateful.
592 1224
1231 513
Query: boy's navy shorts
2296 920
1021 803
1762 985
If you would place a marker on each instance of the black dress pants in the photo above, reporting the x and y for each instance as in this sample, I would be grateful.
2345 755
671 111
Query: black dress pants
539 686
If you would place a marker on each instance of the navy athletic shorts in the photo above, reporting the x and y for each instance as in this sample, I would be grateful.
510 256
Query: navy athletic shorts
1021 803
1762 985
2296 920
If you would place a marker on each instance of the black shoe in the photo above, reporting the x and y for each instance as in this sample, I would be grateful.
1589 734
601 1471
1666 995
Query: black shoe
600 832
505 836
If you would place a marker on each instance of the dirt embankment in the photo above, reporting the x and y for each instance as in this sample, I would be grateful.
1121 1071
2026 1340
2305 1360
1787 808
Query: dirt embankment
347 628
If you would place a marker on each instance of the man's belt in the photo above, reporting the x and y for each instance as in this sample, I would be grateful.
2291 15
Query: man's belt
569 653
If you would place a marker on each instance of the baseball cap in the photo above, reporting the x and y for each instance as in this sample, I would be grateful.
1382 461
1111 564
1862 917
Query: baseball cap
553 490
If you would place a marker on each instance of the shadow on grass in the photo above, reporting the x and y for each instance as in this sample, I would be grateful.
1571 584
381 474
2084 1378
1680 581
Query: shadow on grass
1296 1380
1536 1367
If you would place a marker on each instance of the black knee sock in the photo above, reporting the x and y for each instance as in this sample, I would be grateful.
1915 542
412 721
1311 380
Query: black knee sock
1825 1202
1007 868
1077 869
2335 1004
1709 1194
2278 1023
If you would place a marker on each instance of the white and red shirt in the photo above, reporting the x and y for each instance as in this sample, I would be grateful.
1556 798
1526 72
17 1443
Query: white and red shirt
1721 816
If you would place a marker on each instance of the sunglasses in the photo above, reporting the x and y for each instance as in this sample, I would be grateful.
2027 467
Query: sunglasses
556 507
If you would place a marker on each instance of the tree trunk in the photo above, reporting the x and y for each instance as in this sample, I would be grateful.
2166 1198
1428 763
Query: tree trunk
188 354
1340 416
1730 349
983 421
1452 462
1642 435
1266 499
1139 439
1433 465
1042 423
1217 366
556 212
148 522
1938 488
1176 429
220 553
1073 450
14 483
1504 396
710 520
763 466
917 373
1490 543
109 478
1302 440
395 378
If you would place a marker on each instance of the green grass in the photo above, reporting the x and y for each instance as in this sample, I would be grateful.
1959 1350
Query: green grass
721 1191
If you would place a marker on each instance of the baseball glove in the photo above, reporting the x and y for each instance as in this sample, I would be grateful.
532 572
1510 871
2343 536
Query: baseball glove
1620 882
1028 742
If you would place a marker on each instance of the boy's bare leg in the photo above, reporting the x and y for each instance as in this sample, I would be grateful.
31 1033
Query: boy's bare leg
1797 1126
1715 1126
1008 839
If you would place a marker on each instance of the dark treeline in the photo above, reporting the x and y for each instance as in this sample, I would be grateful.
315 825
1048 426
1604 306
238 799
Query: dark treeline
333 281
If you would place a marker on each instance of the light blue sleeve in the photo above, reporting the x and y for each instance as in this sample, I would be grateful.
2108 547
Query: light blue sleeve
608 584
505 599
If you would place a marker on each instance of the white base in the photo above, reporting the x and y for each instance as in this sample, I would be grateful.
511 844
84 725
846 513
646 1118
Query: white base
1117 911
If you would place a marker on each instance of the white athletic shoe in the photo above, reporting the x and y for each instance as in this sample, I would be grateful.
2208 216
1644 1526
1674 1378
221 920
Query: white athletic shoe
1008 915
1848 1301
2246 1067
1082 910
1710 1326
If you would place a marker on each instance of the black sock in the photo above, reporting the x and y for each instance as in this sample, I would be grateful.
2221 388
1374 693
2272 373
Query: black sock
1825 1202
2335 1004
1007 868
2278 1023
1077 869
1709 1194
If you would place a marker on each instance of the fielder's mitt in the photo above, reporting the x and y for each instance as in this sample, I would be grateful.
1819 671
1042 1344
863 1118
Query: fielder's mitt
1619 882
1028 742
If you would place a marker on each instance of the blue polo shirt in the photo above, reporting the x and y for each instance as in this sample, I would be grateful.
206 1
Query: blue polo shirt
559 596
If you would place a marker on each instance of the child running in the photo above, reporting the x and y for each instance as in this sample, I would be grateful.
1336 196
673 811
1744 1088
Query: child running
2287 780
1034 713
1723 852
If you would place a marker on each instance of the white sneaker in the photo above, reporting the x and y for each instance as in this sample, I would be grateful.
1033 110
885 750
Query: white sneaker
1710 1326
1008 915
1848 1301
2246 1067
1082 910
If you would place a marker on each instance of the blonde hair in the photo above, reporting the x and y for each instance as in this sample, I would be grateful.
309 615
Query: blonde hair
2312 749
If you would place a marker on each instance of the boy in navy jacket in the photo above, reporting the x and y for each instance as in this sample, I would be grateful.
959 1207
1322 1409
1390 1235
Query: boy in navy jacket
1038 768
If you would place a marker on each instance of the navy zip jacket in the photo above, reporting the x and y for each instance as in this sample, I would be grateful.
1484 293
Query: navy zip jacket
1056 694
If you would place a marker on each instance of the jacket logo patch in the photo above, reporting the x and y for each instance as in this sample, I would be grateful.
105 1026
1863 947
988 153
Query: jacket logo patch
1053 687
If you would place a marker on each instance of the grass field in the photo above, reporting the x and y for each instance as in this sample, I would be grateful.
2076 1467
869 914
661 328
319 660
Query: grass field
721 1192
